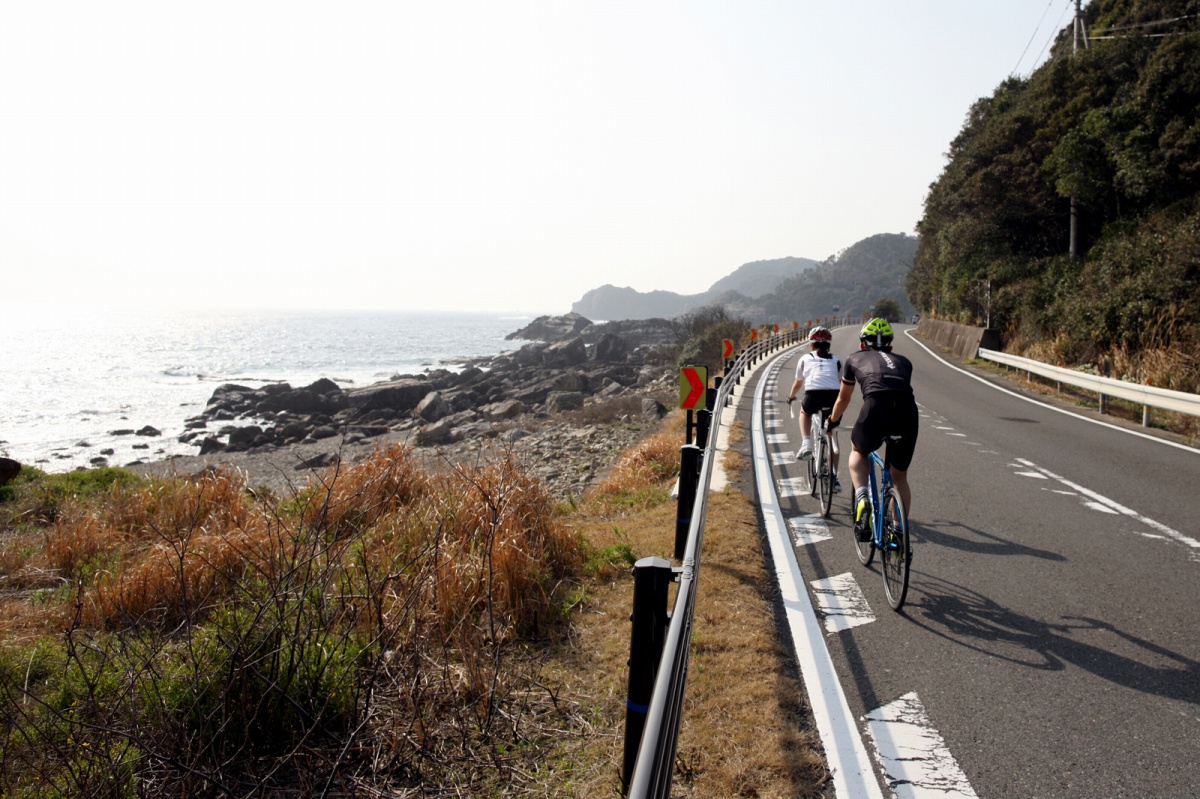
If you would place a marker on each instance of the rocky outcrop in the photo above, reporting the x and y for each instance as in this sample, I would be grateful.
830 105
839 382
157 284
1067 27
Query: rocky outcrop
551 328
584 364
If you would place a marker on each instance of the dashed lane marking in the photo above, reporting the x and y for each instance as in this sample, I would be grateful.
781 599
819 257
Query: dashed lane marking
1093 499
841 602
794 486
913 755
809 529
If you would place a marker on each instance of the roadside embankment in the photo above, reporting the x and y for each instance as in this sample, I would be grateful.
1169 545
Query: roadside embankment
962 340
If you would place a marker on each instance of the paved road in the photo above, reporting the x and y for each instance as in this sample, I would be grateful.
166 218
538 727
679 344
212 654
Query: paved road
1049 646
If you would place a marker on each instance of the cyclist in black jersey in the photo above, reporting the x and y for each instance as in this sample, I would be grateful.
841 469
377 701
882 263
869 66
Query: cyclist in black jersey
889 409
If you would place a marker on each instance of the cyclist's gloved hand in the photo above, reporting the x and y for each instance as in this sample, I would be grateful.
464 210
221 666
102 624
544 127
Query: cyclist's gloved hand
791 400
831 424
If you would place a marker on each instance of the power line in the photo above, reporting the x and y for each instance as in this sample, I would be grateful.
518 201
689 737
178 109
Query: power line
1054 33
1135 25
1031 37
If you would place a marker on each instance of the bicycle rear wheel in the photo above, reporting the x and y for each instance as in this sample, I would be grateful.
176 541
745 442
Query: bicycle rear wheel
864 549
896 555
824 458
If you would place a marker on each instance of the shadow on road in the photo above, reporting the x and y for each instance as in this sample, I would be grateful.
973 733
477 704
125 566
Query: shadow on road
971 619
956 535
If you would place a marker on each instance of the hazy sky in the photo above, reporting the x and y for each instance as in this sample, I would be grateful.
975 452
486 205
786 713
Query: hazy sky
506 155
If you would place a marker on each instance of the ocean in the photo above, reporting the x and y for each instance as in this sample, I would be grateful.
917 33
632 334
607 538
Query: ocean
74 383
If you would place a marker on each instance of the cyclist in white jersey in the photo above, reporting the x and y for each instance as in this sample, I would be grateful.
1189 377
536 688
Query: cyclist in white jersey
819 373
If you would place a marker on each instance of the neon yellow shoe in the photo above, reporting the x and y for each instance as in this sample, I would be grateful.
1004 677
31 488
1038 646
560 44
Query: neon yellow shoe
862 520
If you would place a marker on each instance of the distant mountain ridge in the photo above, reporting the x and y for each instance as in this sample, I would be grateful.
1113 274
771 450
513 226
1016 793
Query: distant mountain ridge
781 289
749 280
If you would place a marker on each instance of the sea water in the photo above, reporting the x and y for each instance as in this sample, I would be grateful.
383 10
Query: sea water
72 382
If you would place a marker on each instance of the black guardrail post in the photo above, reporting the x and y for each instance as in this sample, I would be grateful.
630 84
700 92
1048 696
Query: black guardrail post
703 423
689 477
651 578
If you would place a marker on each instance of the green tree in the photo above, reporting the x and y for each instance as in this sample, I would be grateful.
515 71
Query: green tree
887 309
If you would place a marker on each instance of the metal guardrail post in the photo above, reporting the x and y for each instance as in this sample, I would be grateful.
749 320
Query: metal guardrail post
651 578
689 476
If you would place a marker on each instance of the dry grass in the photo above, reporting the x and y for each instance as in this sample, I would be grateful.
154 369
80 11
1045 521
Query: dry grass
1164 362
391 631
748 742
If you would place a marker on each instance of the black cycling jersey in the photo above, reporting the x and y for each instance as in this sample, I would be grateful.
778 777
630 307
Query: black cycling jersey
878 371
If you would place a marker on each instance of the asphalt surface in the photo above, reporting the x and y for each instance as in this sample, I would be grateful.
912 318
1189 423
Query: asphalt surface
1050 631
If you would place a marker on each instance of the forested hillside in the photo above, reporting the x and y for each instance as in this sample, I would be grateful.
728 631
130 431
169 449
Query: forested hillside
1115 126
852 281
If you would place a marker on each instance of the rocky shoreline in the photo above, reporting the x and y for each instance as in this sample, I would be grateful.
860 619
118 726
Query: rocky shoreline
565 405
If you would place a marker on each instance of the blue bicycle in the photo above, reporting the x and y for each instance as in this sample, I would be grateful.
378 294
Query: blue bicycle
889 533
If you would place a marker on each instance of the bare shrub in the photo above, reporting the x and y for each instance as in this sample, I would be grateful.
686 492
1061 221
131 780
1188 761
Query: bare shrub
372 631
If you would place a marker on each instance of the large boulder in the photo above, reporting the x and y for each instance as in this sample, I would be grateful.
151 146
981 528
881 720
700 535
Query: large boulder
530 354
559 401
507 409
436 433
571 352
9 469
432 407
610 348
241 438
400 395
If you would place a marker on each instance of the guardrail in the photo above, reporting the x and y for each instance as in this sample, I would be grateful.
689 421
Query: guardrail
660 644
1147 396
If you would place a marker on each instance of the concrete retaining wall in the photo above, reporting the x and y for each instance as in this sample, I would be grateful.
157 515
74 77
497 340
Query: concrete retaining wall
962 340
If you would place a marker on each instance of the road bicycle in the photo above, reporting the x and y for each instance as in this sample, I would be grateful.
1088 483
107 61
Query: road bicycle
889 532
821 471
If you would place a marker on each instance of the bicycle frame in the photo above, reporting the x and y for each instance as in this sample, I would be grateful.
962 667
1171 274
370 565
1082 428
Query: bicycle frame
818 430
878 488
889 536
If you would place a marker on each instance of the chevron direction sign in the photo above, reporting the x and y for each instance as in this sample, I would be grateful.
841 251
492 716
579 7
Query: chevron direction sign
726 348
693 385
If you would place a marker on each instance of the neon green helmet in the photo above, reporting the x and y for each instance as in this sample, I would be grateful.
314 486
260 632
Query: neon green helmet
876 334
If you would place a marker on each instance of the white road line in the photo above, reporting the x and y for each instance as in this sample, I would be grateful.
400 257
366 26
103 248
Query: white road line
794 486
778 438
1117 507
782 458
850 766
1047 406
809 529
913 755
842 602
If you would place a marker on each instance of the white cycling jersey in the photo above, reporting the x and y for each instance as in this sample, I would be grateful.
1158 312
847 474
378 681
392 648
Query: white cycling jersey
819 374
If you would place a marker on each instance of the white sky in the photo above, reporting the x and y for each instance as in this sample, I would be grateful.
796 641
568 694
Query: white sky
506 155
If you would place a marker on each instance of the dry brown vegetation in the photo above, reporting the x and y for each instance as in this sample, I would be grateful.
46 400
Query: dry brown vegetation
393 630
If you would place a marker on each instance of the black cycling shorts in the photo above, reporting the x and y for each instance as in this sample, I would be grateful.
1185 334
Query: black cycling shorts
883 415
821 399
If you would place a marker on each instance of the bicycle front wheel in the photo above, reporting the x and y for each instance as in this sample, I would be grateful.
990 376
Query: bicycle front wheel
896 551
825 475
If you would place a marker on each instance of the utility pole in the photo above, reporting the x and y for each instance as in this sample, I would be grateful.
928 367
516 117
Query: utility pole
1078 30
